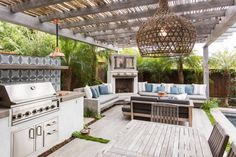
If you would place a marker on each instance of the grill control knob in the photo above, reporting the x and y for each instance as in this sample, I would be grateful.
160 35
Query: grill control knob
19 115
53 106
40 110
13 117
34 111
47 108
27 113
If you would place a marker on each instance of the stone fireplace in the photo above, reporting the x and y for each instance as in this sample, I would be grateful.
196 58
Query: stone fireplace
123 75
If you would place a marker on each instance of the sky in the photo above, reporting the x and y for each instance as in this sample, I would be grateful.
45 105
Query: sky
227 44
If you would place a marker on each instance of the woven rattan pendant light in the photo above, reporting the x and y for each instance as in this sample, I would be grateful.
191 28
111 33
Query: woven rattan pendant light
166 34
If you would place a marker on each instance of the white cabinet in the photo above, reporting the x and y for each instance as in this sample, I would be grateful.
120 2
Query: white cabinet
5 137
24 142
30 140
71 117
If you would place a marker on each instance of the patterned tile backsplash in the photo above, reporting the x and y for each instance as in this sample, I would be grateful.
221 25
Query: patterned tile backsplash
8 76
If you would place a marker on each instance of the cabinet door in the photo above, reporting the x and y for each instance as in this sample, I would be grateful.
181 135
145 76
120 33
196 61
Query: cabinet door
23 142
39 137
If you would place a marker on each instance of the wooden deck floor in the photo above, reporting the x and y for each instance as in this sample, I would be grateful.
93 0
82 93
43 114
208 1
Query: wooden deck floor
109 127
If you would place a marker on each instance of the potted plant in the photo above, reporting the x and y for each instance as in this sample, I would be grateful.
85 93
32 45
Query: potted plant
85 130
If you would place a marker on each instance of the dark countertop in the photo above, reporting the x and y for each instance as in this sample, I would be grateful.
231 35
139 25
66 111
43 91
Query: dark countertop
4 112
69 95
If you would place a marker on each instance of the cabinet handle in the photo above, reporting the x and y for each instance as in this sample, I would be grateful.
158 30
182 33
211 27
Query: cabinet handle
31 133
53 132
39 131
53 123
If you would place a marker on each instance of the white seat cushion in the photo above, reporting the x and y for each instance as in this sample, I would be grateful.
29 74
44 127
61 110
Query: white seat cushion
88 92
106 98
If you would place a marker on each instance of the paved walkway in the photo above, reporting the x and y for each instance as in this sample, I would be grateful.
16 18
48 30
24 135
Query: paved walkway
109 127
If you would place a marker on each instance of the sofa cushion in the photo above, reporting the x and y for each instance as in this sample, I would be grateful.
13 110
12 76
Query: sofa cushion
103 89
197 97
106 98
148 87
189 89
181 88
160 88
94 92
199 89
97 90
141 86
174 90
88 92
154 87
167 87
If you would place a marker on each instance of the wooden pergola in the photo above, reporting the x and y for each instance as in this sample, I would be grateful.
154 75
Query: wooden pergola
113 24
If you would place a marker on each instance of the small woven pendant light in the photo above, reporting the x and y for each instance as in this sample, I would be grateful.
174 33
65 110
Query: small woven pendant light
166 34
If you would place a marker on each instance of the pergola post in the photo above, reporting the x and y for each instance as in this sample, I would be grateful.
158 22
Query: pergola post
206 70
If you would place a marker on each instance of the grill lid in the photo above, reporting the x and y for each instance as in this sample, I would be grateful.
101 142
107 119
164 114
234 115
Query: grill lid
12 94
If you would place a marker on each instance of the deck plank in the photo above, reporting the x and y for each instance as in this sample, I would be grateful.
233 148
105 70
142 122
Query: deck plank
173 140
113 125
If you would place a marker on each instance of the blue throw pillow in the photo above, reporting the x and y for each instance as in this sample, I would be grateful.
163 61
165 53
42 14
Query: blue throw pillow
174 90
103 89
189 90
161 88
97 90
181 90
94 93
148 87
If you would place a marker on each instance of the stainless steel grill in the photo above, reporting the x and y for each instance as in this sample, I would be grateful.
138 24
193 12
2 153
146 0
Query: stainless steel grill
28 100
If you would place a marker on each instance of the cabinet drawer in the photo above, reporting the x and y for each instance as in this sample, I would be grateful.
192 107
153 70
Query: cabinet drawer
51 124
51 137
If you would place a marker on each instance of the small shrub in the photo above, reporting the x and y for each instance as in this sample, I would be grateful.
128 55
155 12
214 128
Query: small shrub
89 113
213 103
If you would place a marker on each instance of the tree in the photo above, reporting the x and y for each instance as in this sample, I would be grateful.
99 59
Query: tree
224 61
181 62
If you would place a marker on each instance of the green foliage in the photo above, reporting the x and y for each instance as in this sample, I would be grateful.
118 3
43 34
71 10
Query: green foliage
209 104
224 60
89 113
90 138
210 117
25 41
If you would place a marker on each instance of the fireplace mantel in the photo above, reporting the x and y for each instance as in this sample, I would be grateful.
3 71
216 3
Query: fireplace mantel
124 75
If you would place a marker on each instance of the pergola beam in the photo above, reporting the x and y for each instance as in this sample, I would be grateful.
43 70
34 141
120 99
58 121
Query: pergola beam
97 9
209 23
145 14
131 4
33 23
227 22
132 34
32 4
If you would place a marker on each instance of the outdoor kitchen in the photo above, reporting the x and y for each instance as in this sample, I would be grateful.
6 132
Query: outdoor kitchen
35 114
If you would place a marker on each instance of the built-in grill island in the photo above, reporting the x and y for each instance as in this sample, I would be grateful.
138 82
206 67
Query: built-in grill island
33 116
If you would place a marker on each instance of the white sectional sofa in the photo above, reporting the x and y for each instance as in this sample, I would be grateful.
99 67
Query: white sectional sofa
198 94
100 103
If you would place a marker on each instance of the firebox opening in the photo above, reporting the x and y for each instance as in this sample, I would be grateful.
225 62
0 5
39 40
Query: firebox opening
124 85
